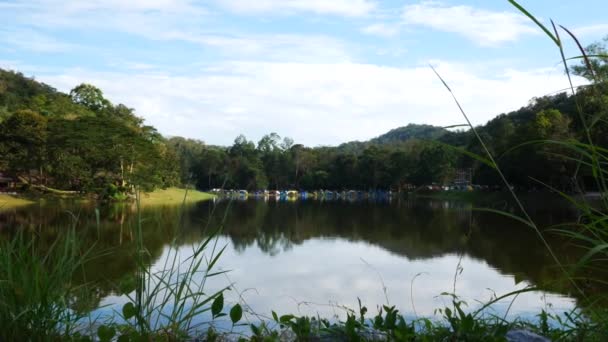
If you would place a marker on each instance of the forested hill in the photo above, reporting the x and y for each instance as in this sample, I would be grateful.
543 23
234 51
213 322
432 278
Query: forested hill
84 143
81 142
397 135
411 131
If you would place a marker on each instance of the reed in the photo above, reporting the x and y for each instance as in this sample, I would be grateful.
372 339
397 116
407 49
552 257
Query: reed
37 291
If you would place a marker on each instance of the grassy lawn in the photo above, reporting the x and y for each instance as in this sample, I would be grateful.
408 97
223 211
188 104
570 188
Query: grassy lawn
173 196
9 202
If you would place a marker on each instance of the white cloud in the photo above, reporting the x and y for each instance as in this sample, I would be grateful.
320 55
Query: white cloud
271 47
145 18
481 26
351 8
31 40
167 20
313 103
312 88
600 30
10 64
114 5
381 29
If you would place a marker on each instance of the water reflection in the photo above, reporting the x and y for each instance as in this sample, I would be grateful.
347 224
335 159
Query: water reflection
307 256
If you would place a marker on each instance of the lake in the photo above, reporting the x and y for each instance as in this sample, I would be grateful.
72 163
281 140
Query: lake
315 257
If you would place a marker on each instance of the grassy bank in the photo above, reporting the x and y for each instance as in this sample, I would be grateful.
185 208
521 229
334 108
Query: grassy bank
171 196
10 202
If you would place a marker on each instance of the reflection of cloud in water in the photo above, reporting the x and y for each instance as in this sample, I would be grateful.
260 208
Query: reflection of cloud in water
319 274
313 252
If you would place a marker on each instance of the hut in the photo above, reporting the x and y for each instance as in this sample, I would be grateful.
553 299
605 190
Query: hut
6 183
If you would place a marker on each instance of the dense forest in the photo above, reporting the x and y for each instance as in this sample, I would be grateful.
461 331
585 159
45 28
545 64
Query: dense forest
78 142
82 142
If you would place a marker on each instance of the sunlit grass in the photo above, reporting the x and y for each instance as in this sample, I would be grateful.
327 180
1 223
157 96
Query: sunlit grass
10 202
171 196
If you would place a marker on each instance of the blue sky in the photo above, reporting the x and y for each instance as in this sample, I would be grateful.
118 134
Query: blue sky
320 71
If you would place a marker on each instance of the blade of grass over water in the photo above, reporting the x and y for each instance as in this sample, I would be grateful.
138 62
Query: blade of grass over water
526 219
601 183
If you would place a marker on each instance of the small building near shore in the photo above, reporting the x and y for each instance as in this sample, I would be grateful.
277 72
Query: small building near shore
6 183
463 177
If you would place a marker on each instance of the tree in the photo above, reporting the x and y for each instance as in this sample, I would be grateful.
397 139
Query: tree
269 143
270 153
23 138
188 152
303 159
125 114
246 168
210 168
435 164
373 168
102 151
343 172
401 164
594 100
598 60
90 96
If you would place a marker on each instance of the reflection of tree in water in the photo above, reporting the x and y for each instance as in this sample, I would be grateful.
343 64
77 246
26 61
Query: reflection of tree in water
111 241
416 229
412 229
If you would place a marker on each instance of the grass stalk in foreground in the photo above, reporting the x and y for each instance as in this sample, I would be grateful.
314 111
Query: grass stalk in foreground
36 287
173 302
593 234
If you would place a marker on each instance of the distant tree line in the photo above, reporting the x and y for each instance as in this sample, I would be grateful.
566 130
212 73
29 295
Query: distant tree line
387 162
83 142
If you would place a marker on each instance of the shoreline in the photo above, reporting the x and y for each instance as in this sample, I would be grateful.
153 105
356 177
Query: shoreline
169 196
475 196
10 201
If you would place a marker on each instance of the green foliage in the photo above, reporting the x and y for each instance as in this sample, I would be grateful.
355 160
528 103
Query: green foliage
579 149
389 325
236 313
595 67
36 287
89 143
81 142
23 138
90 97
415 155
411 131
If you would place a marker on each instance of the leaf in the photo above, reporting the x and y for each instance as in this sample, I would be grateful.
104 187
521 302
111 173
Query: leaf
275 316
218 305
127 285
455 126
286 318
593 251
236 313
533 18
475 156
123 338
255 330
495 300
509 215
129 310
216 258
105 333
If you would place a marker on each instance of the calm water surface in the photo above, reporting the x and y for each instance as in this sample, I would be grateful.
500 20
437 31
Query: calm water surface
312 257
